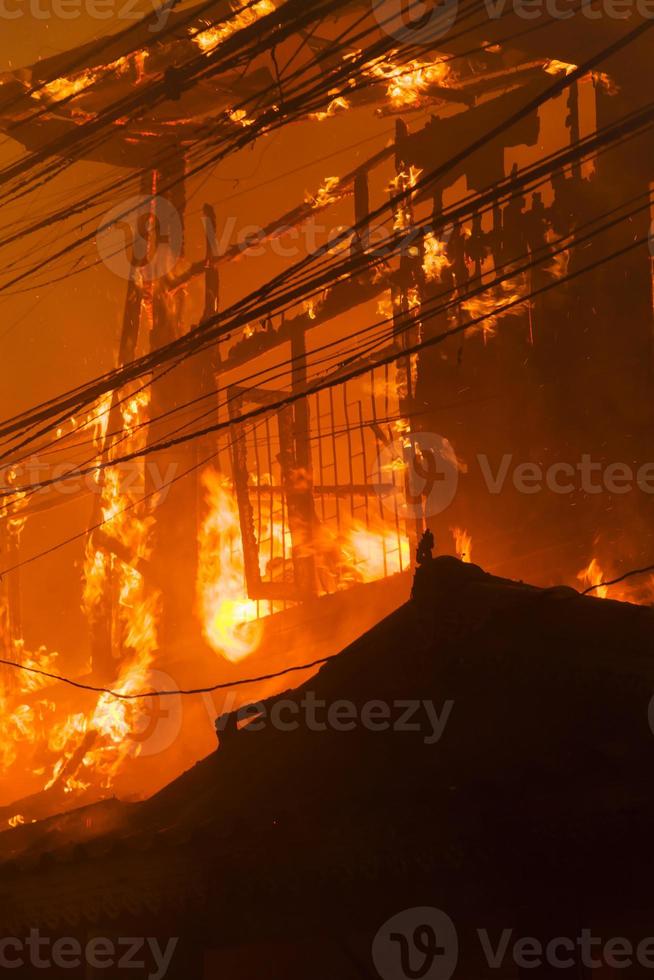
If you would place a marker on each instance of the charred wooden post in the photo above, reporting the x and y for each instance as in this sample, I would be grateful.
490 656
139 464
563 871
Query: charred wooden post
298 477
174 556
211 273
101 615
362 208
406 322
206 368
241 481
573 124
623 362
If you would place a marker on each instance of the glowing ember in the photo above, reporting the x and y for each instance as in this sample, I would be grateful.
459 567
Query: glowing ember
69 86
554 67
245 15
326 194
408 84
241 117
335 106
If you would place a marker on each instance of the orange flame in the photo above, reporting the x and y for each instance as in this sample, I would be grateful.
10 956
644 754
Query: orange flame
326 193
335 106
593 574
487 305
210 38
462 544
435 258
229 618
409 83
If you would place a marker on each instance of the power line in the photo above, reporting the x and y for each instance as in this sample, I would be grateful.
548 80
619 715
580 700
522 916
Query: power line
292 398
206 333
241 682
621 578
167 694
341 377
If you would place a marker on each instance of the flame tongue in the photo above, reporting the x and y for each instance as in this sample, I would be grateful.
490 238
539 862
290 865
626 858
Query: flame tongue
593 575
229 619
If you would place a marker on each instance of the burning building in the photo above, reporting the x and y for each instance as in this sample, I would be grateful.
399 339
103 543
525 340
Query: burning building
259 464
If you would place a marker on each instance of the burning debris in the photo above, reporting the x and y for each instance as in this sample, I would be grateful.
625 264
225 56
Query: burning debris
328 193
244 15
409 85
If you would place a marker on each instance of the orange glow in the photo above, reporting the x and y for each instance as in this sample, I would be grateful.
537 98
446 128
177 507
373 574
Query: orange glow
554 67
326 193
241 117
373 554
69 86
435 259
210 38
593 574
488 305
229 618
104 731
409 83
462 544
335 106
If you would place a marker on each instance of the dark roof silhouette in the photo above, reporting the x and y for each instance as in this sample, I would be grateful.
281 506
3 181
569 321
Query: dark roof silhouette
536 801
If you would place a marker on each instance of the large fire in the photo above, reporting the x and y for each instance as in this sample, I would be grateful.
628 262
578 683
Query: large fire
69 745
73 751
231 622
229 618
